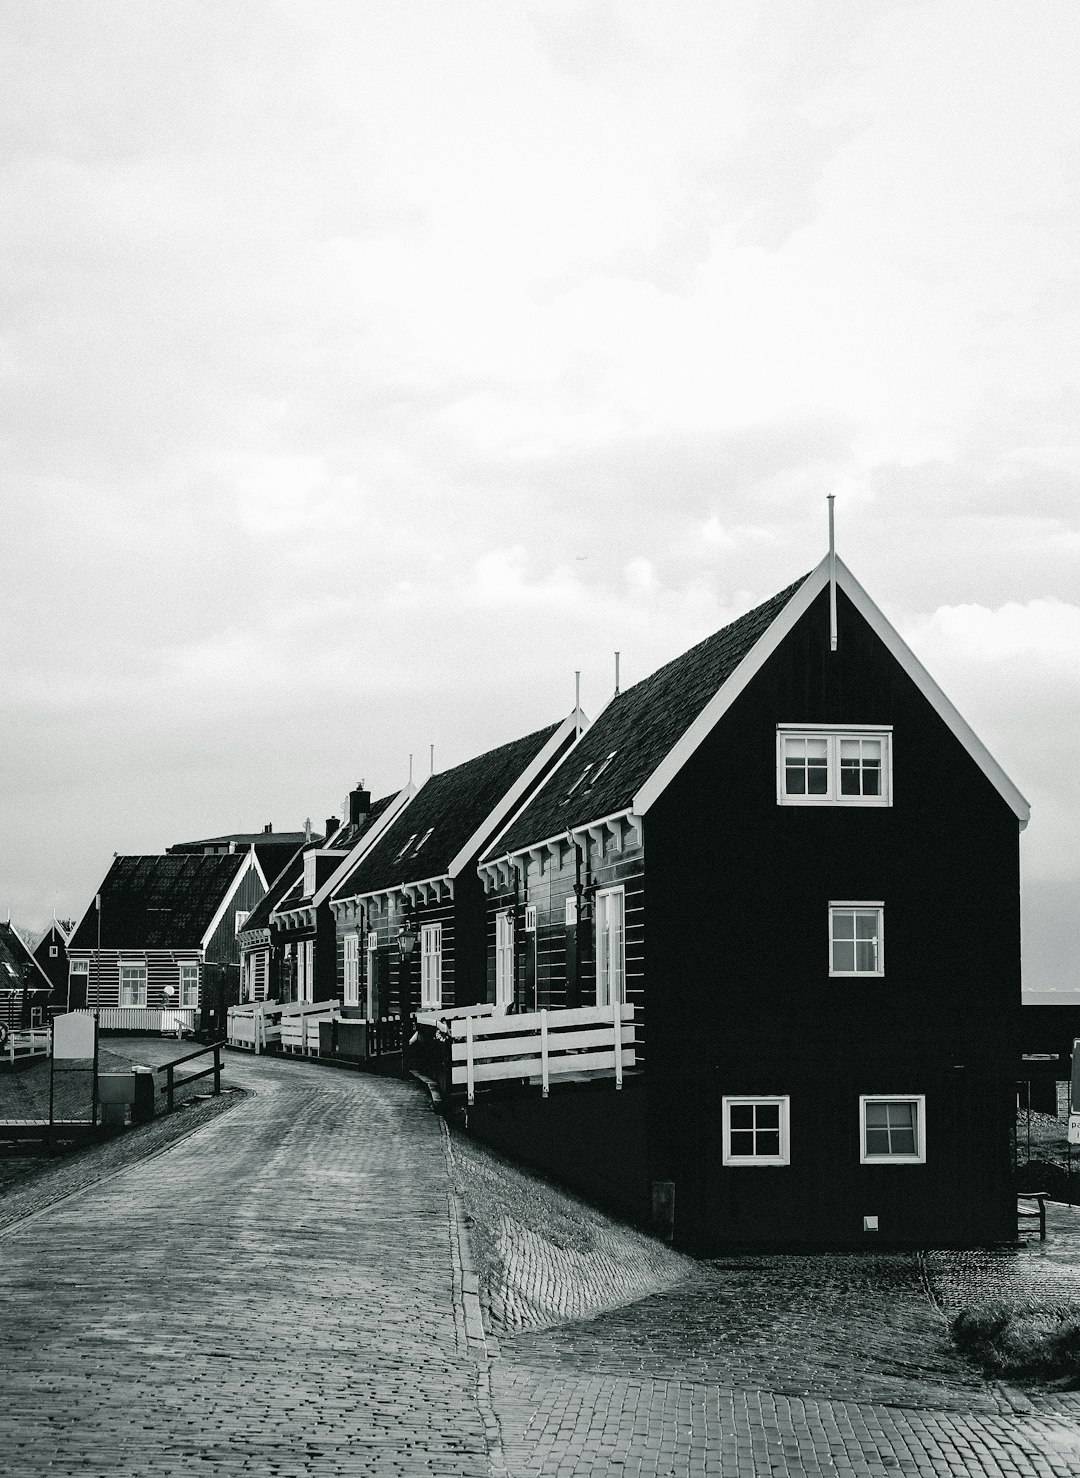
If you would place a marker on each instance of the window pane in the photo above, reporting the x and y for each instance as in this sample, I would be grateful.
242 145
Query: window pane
768 1116
818 776
871 777
794 778
742 1115
843 924
866 955
877 1115
768 1142
843 955
901 1115
742 1142
902 1142
866 925
877 1141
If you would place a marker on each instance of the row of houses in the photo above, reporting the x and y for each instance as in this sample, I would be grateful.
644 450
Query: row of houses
773 887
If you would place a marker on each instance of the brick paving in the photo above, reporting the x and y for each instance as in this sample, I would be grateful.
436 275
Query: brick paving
289 1291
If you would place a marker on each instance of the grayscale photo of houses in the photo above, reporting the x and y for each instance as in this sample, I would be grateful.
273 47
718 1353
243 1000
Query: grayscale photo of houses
541 643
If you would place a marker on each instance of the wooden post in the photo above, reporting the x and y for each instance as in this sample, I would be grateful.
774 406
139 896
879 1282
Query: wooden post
169 1087
617 1013
217 1067
469 1058
544 1051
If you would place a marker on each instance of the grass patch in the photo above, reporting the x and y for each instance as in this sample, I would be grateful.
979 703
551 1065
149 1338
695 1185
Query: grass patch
1033 1340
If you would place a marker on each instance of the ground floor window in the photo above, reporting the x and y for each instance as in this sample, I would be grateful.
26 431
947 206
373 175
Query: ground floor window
756 1131
305 970
132 984
189 986
892 1130
504 958
352 970
431 965
372 974
610 946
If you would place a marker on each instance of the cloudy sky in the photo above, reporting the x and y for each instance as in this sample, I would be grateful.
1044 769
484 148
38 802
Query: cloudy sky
367 368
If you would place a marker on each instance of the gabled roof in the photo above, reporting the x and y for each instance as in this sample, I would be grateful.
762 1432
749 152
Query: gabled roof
14 956
160 902
600 775
643 738
344 840
259 917
431 834
273 849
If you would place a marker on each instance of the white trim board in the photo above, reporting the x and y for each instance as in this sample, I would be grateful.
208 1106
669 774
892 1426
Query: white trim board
241 873
768 643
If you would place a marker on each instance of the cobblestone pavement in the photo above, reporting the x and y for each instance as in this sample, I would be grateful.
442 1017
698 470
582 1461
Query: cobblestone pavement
271 1295
288 1291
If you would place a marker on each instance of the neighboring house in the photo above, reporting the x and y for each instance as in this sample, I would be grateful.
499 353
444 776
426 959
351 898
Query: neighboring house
51 955
799 865
288 946
160 922
273 849
24 986
421 873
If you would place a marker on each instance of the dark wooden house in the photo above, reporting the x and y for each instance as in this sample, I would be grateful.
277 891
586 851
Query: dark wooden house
792 856
160 931
301 931
25 989
422 873
51 954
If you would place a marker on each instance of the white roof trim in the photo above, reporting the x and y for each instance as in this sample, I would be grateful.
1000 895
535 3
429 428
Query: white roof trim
767 644
366 842
33 961
521 790
258 869
241 872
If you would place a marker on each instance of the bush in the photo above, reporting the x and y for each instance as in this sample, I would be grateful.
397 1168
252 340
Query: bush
1037 1339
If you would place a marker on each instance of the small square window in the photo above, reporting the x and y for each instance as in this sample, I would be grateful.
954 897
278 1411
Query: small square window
892 1130
571 911
53 951
756 1131
530 918
856 939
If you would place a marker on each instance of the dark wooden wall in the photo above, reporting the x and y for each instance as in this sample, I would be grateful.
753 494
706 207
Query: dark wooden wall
740 999
224 947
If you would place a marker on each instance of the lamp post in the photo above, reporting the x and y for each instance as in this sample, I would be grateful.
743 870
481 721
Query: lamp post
406 943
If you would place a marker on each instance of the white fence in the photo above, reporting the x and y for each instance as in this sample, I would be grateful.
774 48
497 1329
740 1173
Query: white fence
293 1025
540 1045
26 1042
170 1022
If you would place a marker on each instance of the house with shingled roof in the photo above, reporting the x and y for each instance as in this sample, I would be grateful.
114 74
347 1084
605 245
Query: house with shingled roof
157 943
302 934
790 862
24 986
420 877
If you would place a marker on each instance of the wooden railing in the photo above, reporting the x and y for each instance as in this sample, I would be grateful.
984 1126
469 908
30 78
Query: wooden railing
172 1019
172 1082
539 1046
30 1041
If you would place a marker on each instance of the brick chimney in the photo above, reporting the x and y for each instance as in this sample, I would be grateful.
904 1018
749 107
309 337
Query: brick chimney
331 825
359 804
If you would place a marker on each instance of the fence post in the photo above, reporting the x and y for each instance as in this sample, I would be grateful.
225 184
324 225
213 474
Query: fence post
544 1051
217 1067
169 1086
469 1059
617 1013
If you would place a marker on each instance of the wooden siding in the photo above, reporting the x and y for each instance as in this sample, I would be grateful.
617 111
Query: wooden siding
162 969
377 920
741 1000
223 947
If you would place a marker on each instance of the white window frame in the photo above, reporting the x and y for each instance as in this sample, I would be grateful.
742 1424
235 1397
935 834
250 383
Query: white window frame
781 1101
241 918
140 991
371 950
843 906
54 951
530 918
188 1000
305 971
79 967
919 1157
247 982
351 970
504 957
610 971
833 734
430 966
570 915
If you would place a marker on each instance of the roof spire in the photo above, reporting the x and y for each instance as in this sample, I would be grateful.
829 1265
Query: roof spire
616 674
832 576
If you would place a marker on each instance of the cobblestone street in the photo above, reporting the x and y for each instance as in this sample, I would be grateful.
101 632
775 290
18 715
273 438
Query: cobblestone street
281 1291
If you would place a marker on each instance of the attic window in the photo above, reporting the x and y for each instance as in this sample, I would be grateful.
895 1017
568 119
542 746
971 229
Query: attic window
11 970
602 766
424 838
578 781
405 848
833 765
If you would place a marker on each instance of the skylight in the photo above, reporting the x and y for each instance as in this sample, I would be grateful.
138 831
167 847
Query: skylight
405 848
424 838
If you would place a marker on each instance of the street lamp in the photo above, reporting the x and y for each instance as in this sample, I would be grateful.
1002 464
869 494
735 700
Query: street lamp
406 943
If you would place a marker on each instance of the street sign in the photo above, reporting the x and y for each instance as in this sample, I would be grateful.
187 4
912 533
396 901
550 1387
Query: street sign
1074 1128
73 1036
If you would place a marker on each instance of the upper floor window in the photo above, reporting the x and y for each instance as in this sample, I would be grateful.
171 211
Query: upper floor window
856 939
610 946
431 965
833 765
